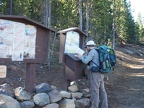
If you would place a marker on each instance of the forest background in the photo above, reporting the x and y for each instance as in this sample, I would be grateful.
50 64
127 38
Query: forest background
105 21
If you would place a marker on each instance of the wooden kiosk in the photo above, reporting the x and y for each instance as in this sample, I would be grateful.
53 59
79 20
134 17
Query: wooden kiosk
22 39
70 39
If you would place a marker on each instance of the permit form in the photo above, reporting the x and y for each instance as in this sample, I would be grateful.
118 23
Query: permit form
80 51
76 49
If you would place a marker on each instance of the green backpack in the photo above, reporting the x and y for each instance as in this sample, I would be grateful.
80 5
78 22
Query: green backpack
107 59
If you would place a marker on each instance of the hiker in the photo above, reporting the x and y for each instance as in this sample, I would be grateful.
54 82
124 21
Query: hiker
96 79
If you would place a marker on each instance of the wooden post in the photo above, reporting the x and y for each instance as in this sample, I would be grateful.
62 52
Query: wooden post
30 77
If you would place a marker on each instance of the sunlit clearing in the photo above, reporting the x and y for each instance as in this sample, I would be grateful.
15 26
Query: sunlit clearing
137 74
134 66
135 89
139 65
129 57
121 54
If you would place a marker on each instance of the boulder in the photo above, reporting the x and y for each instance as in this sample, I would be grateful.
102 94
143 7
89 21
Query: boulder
21 94
8 102
41 99
54 96
43 87
6 89
27 104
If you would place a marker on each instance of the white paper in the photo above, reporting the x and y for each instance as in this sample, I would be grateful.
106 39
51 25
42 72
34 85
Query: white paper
17 40
76 49
3 70
80 51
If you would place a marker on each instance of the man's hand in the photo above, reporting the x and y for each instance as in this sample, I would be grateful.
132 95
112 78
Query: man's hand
79 56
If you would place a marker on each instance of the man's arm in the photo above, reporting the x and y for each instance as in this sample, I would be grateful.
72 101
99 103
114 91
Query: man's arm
86 59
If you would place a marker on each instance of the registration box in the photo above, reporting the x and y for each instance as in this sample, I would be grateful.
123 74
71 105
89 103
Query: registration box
72 41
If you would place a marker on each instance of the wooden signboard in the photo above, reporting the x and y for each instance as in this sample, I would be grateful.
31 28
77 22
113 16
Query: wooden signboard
22 39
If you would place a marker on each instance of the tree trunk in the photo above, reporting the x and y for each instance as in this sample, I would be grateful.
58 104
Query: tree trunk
49 13
11 7
80 13
45 13
87 17
47 22
113 26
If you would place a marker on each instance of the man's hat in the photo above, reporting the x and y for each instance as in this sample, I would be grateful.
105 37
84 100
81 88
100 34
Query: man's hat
91 42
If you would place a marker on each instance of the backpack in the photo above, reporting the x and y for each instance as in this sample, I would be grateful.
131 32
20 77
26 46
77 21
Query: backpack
107 59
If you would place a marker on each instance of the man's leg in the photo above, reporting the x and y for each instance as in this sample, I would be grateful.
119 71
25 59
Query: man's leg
94 99
94 89
103 94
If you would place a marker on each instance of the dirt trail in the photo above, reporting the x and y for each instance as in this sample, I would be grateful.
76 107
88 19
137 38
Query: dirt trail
126 84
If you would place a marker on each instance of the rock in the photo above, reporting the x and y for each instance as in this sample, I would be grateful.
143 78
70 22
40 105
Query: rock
54 96
53 105
73 88
6 89
65 94
140 54
121 58
140 51
53 87
67 103
41 99
27 104
73 83
85 92
43 87
77 95
128 52
21 94
8 102
82 103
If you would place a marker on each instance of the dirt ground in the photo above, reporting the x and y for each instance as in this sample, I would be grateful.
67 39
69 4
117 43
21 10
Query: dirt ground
124 85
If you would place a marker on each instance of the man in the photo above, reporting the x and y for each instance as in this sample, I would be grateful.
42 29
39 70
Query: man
97 88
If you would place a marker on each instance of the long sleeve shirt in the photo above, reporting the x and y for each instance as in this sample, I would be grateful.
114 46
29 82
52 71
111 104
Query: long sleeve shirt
92 56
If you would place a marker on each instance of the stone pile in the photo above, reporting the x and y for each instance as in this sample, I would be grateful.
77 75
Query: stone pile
45 96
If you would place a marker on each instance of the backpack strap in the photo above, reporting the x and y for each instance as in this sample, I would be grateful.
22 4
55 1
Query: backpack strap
95 63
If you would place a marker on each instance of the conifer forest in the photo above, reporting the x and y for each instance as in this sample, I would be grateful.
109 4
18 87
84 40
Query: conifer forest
105 21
